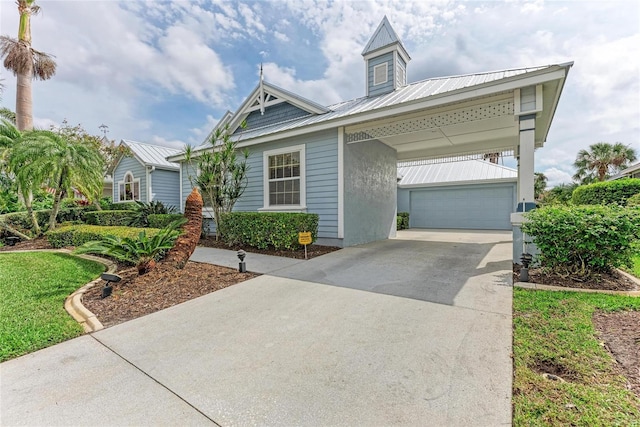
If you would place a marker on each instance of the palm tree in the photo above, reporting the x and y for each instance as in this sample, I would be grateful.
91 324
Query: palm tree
26 63
47 158
602 159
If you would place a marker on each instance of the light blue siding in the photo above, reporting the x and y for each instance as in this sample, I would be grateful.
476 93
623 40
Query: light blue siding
274 114
321 164
187 171
370 192
165 187
129 164
385 87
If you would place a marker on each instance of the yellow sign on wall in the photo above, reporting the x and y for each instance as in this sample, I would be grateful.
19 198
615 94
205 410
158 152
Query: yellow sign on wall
304 238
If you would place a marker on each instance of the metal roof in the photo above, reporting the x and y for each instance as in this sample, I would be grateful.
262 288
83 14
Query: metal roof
406 94
453 172
626 172
153 155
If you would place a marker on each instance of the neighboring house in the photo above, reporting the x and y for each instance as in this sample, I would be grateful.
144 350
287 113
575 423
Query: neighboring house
470 194
632 171
147 175
340 161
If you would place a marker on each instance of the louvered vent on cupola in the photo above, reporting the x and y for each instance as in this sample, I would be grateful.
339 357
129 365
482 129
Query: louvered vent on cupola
386 61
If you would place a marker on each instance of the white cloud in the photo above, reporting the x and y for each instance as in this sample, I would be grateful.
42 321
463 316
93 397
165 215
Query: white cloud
556 177
280 36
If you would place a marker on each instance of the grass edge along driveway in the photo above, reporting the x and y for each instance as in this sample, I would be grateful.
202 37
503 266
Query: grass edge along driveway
554 332
33 288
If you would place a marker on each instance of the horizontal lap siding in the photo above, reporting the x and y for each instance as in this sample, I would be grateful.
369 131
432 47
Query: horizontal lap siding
384 87
129 164
165 187
185 183
321 151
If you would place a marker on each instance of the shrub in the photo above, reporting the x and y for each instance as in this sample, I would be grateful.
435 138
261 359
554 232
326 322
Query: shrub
119 217
606 192
22 222
76 235
142 251
402 220
581 240
634 200
139 216
162 220
262 230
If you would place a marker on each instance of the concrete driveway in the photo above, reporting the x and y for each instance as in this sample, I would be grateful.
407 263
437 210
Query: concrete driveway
410 331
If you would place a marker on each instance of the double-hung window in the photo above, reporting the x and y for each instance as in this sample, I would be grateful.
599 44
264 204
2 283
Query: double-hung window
284 178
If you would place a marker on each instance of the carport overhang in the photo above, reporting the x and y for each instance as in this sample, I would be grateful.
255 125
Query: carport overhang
511 116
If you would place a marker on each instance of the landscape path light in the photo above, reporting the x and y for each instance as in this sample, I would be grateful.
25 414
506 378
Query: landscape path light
242 267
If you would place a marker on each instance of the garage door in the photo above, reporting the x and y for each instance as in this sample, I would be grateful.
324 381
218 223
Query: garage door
480 208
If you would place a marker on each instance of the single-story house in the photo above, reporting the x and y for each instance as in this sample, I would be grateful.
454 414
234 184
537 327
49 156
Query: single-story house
146 175
632 171
340 161
469 194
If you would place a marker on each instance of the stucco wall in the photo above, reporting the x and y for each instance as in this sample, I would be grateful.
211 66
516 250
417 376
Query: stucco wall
370 192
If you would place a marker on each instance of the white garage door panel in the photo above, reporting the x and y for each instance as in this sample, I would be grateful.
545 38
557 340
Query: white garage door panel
481 208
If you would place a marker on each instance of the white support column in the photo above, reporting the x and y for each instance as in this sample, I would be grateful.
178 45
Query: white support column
526 176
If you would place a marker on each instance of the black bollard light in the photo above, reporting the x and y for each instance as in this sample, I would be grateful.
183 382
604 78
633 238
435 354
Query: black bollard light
526 259
109 278
242 267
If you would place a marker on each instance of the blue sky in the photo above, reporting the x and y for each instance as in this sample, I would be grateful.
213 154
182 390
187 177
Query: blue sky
164 72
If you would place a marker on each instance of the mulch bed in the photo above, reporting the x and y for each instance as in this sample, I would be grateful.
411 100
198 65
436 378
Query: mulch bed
40 243
163 287
613 281
312 250
620 332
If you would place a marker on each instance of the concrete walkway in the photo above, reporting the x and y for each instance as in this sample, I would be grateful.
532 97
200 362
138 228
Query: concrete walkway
356 348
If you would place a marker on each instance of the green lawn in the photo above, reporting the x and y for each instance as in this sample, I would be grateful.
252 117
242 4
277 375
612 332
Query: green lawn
33 287
553 331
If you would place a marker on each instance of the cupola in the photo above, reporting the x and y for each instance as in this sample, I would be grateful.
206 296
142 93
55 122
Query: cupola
386 61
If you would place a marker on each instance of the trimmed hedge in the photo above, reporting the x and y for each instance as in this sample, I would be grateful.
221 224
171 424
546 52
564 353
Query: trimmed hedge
262 230
162 220
606 192
118 217
21 220
402 220
76 235
634 200
580 240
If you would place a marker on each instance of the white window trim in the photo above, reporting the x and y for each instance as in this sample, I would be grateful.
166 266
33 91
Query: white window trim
134 180
386 73
302 207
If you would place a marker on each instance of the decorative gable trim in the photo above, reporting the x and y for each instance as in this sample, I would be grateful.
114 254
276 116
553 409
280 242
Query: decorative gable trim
265 95
384 40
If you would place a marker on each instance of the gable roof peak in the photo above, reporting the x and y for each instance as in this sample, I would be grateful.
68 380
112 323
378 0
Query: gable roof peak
384 36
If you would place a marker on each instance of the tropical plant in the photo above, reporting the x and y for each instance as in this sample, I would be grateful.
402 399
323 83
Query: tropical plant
560 194
46 158
601 160
143 252
539 185
139 216
221 175
26 63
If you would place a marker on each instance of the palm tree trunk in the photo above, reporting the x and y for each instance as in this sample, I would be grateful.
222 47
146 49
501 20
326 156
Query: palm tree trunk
24 103
28 199
13 231
55 209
